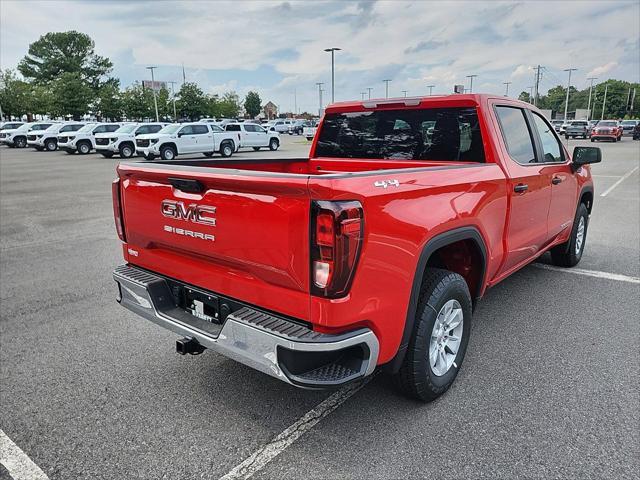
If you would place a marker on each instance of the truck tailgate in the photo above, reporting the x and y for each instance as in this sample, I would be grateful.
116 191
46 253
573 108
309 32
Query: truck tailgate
244 235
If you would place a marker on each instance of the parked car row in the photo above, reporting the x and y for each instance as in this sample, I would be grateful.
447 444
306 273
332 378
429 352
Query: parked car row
149 140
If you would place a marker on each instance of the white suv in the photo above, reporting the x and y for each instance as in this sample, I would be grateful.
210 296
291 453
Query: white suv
83 141
48 139
18 137
123 141
253 135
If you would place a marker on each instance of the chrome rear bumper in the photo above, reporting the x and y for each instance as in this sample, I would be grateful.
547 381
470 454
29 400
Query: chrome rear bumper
273 345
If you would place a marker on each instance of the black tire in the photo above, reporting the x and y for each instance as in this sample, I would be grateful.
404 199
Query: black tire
51 145
149 157
208 154
126 150
69 151
106 154
83 147
568 254
226 148
416 377
167 153
39 148
20 142
274 144
256 148
309 138
593 139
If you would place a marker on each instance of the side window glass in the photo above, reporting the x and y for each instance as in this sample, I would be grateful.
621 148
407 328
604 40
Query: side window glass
552 151
516 134
216 129
99 129
200 129
142 130
112 128
186 130
153 128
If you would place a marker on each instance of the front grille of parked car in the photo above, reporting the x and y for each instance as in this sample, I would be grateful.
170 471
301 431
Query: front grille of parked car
2 135
102 141
62 139
142 142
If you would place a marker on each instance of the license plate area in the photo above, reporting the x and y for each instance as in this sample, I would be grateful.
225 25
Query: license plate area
203 306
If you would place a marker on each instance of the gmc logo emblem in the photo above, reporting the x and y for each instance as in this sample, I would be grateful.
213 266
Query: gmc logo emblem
192 213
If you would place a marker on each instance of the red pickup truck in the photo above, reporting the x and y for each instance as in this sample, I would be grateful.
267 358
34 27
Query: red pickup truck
371 252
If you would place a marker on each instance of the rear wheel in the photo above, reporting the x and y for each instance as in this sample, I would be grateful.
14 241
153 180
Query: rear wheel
274 144
440 336
51 145
226 149
569 253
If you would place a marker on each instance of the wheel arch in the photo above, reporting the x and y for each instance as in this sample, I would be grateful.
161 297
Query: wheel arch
586 197
468 234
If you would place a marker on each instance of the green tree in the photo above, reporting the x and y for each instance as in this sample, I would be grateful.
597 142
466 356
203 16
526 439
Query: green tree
14 94
524 96
72 95
109 102
41 100
192 102
252 104
229 105
137 102
64 52
165 105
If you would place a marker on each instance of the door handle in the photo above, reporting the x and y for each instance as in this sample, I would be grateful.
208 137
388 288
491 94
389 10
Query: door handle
556 180
521 188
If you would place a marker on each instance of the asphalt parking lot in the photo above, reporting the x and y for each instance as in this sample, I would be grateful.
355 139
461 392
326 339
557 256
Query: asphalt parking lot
549 389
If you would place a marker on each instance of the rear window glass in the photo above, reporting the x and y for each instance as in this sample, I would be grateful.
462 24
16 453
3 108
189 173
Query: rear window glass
232 128
450 134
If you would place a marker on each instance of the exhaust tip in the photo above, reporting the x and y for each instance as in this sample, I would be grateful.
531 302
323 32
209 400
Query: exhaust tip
189 345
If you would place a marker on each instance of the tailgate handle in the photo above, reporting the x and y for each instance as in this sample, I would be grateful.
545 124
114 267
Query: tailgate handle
187 185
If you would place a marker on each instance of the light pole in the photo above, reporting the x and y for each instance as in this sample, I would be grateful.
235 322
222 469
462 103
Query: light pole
153 84
506 93
386 81
471 77
430 87
319 84
405 93
589 104
173 94
530 94
604 100
333 77
566 102
369 90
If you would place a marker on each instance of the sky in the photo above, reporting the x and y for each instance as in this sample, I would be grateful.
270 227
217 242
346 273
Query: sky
277 48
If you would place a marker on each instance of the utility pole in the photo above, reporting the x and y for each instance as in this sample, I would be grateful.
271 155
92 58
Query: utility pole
405 93
153 84
333 77
471 77
626 105
386 94
566 103
530 94
369 90
590 90
319 84
604 100
362 94
633 98
537 85
430 87
173 94
295 102
184 75
506 92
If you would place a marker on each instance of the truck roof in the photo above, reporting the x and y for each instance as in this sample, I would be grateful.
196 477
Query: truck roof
454 99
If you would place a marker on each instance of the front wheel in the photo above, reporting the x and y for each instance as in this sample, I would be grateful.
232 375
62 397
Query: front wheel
20 142
84 148
569 253
440 336
274 144
51 145
126 151
167 153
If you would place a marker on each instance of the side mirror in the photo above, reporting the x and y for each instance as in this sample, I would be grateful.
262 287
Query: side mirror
586 155
180 134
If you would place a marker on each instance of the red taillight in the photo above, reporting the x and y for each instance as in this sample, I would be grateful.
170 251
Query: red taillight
337 231
117 209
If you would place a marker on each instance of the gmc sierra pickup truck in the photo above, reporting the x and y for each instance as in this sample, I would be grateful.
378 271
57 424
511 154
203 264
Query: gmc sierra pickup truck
373 251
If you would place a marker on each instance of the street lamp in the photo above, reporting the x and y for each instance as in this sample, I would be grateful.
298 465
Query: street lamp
430 87
506 93
173 94
333 78
153 83
319 84
369 90
386 89
566 102
405 93
471 84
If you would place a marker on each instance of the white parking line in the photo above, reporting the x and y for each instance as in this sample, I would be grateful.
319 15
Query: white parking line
17 463
589 273
261 457
622 179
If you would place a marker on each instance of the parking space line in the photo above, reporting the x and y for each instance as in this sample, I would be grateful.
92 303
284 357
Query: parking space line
622 179
17 463
589 273
261 457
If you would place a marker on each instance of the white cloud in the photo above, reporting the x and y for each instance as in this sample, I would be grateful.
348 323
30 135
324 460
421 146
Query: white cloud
277 48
